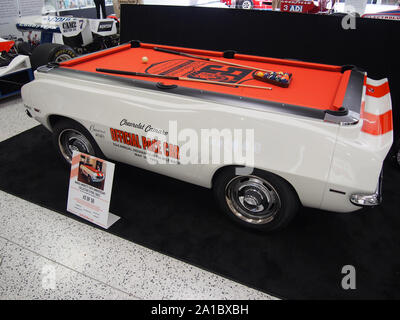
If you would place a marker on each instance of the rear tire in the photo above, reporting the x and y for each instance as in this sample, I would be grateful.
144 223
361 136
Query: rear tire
51 52
69 136
262 200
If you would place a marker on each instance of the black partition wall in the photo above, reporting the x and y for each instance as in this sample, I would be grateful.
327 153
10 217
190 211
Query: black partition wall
85 12
372 45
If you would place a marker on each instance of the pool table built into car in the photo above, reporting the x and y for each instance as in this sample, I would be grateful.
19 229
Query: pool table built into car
319 143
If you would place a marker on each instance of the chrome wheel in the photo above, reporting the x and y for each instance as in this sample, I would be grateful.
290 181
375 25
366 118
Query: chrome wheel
252 199
70 140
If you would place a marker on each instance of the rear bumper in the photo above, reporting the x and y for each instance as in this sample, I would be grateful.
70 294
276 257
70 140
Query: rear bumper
368 200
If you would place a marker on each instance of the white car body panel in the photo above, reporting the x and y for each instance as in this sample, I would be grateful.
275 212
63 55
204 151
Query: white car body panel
19 63
314 156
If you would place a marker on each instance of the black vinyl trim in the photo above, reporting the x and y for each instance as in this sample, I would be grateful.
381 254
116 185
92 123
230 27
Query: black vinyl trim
164 86
212 96
135 44
349 112
351 67
229 54
337 191
340 112
353 96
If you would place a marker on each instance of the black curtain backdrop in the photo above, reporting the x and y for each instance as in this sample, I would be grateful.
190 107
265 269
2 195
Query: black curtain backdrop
316 38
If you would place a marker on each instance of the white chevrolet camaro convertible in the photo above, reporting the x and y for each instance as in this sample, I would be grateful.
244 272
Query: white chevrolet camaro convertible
320 142
91 173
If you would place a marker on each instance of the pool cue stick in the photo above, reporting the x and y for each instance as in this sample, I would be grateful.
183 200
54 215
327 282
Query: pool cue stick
151 75
208 59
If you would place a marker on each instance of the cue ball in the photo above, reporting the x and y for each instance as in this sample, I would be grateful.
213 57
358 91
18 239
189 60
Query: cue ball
145 59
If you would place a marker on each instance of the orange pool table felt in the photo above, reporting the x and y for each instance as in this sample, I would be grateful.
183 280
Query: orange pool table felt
313 85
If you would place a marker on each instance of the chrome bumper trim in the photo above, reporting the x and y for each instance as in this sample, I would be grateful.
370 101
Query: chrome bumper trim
368 200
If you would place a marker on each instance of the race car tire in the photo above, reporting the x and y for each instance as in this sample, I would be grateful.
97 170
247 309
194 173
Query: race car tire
23 47
260 200
50 52
244 4
69 135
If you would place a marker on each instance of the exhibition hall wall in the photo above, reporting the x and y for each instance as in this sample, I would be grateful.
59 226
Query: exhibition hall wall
12 10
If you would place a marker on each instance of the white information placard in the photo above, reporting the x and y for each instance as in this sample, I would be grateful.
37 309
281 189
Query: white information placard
90 187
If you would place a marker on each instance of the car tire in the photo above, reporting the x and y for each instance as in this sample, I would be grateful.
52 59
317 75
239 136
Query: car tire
261 200
244 4
69 135
23 47
51 52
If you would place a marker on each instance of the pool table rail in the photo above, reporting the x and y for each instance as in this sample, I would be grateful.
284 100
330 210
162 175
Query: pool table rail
342 116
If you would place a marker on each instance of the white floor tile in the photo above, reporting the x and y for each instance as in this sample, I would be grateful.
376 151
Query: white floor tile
13 119
26 275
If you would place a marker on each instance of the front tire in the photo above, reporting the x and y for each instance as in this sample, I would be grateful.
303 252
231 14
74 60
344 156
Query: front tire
261 200
51 52
69 136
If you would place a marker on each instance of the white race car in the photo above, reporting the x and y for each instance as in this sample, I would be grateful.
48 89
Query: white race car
91 173
81 34
15 70
319 141
18 60
50 39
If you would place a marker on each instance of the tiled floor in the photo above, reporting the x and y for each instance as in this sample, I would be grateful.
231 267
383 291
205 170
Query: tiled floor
44 255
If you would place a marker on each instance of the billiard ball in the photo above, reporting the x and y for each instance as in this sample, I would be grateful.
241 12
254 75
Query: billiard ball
145 59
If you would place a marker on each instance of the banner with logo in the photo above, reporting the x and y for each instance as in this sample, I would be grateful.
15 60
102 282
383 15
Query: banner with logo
90 189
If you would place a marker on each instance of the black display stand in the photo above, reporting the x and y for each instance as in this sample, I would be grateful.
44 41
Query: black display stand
316 38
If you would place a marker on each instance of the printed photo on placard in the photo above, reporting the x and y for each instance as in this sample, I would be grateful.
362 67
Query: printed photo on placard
92 171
